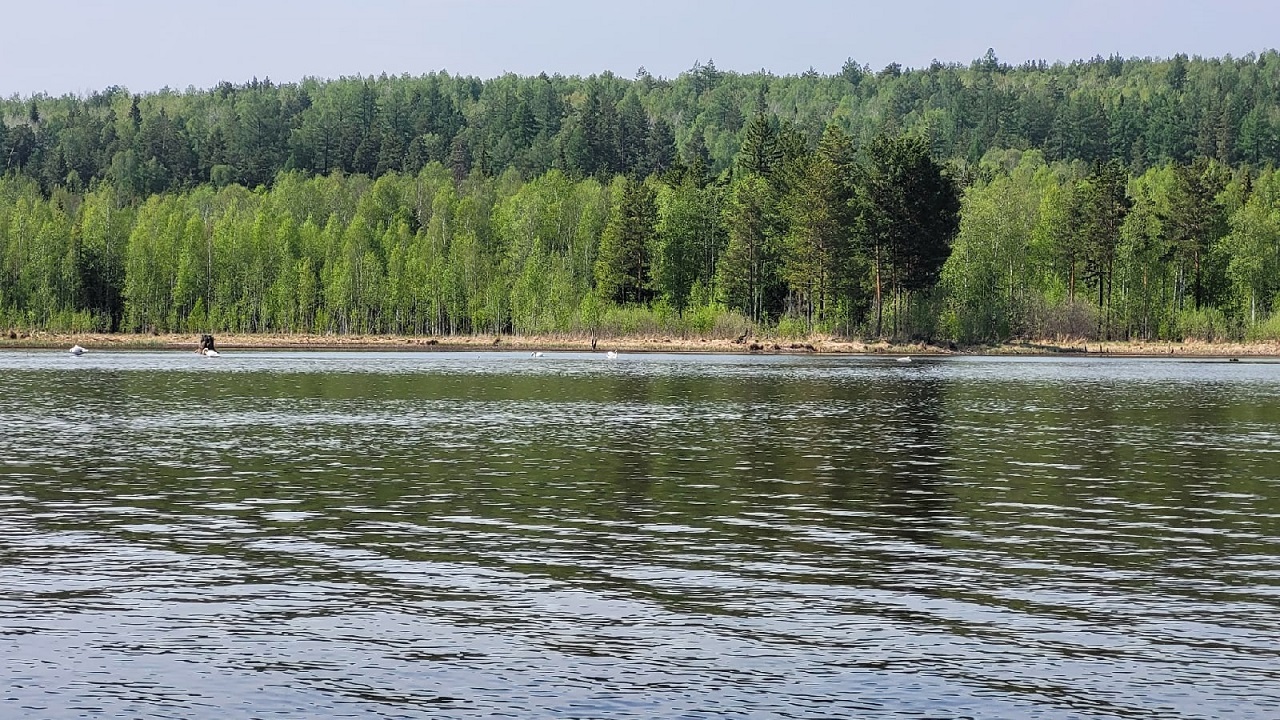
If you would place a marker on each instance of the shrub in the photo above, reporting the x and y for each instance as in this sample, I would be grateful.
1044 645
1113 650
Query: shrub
1205 324
1061 320
730 324
792 328
1267 330
701 320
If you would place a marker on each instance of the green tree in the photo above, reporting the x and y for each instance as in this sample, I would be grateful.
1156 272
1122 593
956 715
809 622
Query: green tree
760 153
910 213
821 212
748 272
104 232
1195 221
1144 271
624 263
1253 245
688 240
1102 204
989 276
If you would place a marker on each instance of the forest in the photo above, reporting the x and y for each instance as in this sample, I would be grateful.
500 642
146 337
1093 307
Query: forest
1113 198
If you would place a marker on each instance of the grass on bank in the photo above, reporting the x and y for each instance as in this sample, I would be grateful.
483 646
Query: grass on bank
700 329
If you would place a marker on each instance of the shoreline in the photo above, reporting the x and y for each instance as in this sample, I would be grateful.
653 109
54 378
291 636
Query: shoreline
819 345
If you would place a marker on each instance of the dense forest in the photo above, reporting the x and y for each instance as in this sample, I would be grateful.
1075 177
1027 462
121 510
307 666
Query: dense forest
1111 198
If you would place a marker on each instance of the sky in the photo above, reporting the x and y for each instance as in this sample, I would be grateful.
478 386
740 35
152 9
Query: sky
66 46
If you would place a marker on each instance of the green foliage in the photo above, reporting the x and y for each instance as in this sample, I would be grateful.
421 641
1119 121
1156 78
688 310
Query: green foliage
1100 206
748 274
1140 112
991 276
630 321
761 152
1195 221
910 212
792 328
623 267
1108 198
820 262
1266 331
1204 324
702 320
688 240
1253 246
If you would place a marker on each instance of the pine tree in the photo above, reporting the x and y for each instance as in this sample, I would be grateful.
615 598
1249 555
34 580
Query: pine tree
822 220
760 153
659 149
910 213
1195 221
747 275
623 265
1102 204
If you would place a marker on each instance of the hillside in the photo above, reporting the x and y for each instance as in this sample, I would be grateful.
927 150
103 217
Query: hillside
1117 198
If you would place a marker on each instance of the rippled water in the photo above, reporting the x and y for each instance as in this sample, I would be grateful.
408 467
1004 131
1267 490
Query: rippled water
408 535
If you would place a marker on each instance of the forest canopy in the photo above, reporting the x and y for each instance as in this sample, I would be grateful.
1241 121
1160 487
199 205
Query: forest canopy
1117 198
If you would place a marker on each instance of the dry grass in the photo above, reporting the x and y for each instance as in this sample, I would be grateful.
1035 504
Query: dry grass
814 344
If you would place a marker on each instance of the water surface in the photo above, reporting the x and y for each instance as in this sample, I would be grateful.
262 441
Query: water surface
432 534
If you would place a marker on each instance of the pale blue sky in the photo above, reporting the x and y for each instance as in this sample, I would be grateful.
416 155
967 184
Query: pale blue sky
61 46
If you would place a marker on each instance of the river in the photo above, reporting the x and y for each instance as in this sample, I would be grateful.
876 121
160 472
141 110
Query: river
438 534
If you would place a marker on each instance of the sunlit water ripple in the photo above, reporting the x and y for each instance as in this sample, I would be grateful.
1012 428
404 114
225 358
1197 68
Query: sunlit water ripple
407 535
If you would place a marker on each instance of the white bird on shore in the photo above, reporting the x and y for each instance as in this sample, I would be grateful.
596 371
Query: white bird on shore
76 350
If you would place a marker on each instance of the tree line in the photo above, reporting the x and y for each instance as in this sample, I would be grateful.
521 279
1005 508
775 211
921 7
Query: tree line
1110 198
812 237
1182 250
1140 112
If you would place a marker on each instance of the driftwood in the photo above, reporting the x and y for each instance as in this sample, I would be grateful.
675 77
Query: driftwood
206 343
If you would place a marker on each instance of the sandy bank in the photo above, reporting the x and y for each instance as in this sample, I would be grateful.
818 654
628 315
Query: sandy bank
816 344
457 342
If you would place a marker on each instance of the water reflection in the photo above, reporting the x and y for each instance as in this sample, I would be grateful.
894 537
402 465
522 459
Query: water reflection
410 534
